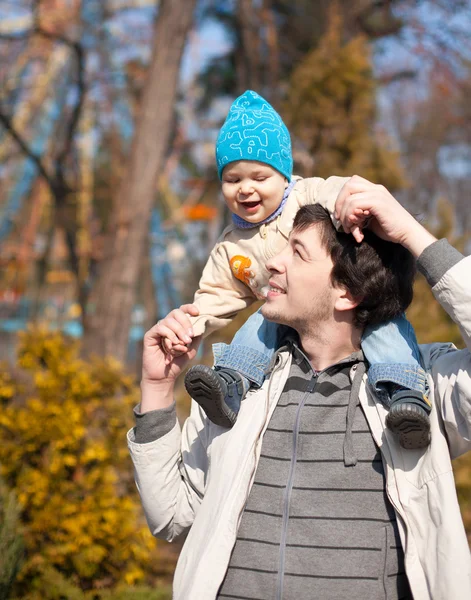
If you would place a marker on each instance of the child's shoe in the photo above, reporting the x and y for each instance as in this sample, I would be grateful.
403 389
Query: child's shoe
408 417
218 391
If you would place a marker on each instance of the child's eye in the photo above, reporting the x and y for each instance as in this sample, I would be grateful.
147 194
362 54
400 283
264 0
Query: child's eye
260 179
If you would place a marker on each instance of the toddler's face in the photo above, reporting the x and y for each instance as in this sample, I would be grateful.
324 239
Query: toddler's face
252 190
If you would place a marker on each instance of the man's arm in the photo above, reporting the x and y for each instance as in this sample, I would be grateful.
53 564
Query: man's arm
170 465
451 368
448 272
170 474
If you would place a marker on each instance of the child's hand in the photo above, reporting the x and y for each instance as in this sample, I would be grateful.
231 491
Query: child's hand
360 199
173 332
176 333
356 221
173 350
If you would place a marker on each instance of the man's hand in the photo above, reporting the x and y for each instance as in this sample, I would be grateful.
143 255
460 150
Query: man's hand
168 347
361 203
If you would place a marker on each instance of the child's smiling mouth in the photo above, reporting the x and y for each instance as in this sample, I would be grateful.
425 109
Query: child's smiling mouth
251 206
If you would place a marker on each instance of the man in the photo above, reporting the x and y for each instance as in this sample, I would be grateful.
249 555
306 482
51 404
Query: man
309 495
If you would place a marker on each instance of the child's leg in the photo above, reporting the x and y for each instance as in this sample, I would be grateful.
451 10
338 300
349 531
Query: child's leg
399 380
251 349
237 367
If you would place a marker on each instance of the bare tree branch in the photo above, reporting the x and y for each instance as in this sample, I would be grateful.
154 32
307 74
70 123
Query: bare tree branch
76 114
57 180
64 153
387 78
25 148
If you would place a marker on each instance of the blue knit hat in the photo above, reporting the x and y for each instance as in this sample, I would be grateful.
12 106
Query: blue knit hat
253 130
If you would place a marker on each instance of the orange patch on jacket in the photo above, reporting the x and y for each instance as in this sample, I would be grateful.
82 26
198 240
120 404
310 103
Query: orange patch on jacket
240 267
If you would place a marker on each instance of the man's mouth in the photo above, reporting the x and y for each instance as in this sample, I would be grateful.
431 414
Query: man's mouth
274 288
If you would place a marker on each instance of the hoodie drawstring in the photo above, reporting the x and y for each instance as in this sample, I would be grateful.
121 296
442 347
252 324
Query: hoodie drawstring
349 458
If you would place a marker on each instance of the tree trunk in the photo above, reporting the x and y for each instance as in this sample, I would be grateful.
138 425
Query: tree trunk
272 71
250 55
113 295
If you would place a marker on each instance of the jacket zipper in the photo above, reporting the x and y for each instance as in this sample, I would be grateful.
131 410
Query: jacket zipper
289 489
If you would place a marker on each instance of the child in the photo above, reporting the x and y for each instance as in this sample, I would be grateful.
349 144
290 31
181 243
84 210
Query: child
254 161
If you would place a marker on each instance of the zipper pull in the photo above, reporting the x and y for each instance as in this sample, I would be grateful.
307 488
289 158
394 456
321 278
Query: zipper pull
312 383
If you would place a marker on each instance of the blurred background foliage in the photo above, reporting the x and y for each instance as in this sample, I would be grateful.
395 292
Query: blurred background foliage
110 204
78 520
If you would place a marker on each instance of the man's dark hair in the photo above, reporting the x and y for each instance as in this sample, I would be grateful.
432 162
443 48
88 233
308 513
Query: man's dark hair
378 273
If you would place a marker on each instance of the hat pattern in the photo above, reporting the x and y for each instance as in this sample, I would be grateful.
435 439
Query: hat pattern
253 130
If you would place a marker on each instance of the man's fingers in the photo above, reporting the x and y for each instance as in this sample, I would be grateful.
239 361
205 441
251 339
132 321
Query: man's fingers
169 328
176 326
184 331
360 183
152 337
173 330
343 194
180 350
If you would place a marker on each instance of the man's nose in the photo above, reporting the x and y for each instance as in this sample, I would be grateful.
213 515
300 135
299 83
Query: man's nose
276 263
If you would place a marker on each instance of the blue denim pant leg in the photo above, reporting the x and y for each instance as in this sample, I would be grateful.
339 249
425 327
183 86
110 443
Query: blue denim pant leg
251 349
393 353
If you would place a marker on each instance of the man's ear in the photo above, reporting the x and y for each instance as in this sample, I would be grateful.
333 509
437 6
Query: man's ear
345 300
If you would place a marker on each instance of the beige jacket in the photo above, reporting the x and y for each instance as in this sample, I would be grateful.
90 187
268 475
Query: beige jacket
235 275
199 479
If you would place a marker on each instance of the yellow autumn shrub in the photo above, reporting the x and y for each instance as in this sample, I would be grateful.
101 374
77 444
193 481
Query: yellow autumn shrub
63 450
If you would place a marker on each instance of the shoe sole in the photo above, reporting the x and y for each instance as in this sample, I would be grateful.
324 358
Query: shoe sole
411 424
204 387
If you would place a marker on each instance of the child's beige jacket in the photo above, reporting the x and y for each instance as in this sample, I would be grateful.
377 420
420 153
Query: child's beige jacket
235 275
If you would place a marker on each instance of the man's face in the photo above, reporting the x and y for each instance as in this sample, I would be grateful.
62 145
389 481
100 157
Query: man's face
300 292
252 190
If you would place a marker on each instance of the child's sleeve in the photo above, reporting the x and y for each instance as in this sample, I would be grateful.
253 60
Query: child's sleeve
324 192
220 295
